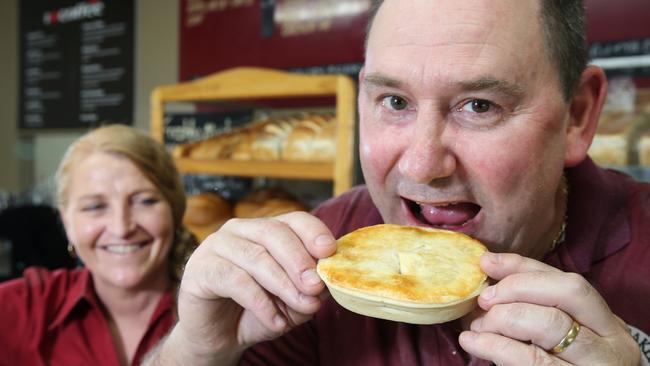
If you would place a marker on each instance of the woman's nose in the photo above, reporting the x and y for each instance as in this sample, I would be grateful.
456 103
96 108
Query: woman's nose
121 223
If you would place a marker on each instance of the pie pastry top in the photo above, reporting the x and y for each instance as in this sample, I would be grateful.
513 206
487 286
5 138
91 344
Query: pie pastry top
405 265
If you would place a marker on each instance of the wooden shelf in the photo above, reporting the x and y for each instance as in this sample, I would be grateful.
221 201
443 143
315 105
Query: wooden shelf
271 169
251 83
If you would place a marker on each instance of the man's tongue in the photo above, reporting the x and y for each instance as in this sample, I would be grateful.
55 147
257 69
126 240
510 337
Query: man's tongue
450 215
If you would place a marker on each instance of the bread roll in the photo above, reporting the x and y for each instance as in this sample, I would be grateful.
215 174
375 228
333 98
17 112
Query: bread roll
409 274
205 213
266 202
277 206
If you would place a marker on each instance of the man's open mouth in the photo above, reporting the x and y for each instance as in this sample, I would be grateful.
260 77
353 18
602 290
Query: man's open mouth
449 215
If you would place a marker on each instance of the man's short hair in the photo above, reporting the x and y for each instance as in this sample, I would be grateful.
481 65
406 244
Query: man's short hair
563 28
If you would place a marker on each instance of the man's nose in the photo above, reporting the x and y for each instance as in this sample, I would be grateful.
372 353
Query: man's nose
429 155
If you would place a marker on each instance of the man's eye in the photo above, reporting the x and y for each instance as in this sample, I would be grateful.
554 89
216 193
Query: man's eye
477 106
394 102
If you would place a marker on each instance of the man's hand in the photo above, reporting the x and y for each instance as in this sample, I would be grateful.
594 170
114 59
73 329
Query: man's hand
253 280
533 307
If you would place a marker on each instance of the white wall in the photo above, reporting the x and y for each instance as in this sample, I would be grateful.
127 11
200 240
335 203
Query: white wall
30 158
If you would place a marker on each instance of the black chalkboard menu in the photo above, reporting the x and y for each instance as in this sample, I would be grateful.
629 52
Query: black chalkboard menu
76 63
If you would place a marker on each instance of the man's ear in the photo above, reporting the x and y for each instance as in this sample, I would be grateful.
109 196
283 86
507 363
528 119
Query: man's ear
584 113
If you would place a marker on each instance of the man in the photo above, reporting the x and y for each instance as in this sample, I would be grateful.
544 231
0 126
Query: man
470 115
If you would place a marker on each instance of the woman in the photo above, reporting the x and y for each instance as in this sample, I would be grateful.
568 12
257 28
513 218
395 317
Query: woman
121 201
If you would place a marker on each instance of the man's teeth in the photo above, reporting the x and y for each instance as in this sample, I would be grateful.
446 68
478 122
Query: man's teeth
123 249
436 205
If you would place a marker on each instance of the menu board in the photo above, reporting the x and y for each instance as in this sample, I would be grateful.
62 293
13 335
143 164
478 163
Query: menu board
76 63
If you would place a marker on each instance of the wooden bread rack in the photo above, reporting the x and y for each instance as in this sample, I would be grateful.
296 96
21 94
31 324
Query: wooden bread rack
255 83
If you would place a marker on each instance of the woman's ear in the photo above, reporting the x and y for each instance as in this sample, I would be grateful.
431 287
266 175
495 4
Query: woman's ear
66 223
584 113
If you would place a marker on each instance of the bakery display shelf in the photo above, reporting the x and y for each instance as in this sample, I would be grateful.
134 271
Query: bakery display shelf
256 83
270 169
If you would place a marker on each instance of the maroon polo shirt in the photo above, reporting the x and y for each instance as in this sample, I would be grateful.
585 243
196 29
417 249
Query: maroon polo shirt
55 318
607 241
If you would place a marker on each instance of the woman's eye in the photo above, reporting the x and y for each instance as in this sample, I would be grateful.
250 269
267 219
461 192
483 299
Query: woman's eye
92 207
394 102
148 201
477 106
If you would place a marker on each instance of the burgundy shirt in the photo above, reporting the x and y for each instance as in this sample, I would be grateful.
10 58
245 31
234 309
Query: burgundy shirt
607 241
55 318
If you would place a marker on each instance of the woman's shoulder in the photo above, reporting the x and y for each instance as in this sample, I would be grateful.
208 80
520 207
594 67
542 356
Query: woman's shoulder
41 285
31 303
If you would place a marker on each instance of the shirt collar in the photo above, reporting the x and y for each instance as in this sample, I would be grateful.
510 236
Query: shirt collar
80 289
597 217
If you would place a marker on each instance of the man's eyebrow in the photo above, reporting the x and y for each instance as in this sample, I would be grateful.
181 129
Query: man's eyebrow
490 83
482 83
381 80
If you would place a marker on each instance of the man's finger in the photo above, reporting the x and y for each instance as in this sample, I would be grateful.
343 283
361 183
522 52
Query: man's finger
258 262
569 292
505 351
316 236
500 265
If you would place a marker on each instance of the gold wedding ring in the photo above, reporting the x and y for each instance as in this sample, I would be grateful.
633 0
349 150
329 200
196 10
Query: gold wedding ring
568 338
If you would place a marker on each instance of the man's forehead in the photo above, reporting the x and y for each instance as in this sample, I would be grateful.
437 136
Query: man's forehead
419 18
483 82
452 43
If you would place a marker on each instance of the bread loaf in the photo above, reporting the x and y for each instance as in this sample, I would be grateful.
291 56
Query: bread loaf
312 139
304 138
267 143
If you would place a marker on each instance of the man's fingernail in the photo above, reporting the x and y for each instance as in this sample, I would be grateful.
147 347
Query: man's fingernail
467 336
306 299
488 293
492 257
310 277
324 240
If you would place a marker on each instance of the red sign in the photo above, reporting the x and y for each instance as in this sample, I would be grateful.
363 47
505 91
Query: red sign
283 34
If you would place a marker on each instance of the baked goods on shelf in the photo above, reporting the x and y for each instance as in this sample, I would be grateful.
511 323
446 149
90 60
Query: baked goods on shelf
311 139
266 202
613 140
409 274
644 149
205 213
621 138
305 137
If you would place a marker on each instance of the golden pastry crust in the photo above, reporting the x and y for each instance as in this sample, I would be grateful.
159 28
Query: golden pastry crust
406 265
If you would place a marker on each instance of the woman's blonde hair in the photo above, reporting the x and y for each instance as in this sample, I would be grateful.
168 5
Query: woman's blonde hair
152 159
